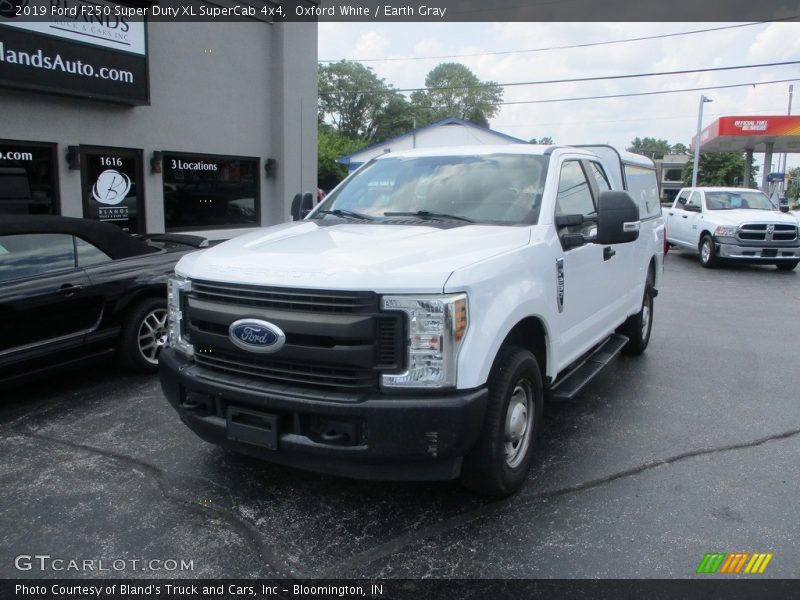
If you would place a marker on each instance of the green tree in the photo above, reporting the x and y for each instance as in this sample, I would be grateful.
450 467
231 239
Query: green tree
332 144
650 147
545 141
395 119
452 90
679 149
352 98
719 168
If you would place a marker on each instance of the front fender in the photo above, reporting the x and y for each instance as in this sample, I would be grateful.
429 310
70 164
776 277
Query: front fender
503 291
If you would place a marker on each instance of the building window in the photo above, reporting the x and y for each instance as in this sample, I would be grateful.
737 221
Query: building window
673 175
203 191
112 186
28 184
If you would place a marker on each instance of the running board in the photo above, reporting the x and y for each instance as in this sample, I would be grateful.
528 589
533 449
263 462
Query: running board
568 386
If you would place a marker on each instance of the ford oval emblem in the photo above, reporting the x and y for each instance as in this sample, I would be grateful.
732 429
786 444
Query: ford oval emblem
255 335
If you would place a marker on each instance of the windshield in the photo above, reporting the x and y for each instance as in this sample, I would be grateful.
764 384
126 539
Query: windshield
497 188
744 199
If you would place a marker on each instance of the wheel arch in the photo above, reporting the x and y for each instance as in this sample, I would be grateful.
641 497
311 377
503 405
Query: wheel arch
531 334
132 299
704 232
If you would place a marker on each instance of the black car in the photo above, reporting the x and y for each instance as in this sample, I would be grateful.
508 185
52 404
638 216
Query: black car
73 289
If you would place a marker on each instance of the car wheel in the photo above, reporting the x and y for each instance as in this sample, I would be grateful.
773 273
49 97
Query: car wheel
787 266
499 462
707 256
144 334
637 327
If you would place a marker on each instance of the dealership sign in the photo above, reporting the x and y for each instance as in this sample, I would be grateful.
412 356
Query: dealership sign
79 48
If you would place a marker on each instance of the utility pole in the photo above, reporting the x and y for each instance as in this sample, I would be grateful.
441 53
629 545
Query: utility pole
696 166
782 163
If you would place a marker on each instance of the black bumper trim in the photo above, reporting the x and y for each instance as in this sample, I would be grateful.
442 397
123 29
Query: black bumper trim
402 437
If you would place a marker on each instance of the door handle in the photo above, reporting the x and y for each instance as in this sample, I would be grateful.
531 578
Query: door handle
685 216
670 214
68 289
608 252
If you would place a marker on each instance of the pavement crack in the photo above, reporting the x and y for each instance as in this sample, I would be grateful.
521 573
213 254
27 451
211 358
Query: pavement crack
243 527
491 507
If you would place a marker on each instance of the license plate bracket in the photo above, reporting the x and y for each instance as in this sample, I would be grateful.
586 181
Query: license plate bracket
252 427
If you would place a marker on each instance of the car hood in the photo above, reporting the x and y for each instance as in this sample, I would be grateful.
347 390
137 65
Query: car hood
738 216
379 257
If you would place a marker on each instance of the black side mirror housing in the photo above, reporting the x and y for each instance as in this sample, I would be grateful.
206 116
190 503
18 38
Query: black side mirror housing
617 218
295 210
692 208
307 204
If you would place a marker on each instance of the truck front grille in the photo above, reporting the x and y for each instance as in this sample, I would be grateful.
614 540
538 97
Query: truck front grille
767 232
330 377
337 341
286 299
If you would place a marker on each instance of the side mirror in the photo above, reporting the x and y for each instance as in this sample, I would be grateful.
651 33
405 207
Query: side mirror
295 210
617 218
783 205
692 208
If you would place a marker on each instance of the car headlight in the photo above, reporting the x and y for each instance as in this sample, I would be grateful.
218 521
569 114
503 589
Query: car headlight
726 230
176 286
436 328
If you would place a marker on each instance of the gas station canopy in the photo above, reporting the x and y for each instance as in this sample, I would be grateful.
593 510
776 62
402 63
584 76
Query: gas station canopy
738 134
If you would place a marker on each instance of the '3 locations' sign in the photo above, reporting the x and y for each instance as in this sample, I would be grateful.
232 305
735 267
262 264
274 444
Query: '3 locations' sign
85 48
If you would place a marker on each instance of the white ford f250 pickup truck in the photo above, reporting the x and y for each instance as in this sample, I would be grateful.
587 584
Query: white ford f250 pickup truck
736 224
412 324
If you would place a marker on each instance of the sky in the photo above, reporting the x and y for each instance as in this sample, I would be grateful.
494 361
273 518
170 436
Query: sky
614 121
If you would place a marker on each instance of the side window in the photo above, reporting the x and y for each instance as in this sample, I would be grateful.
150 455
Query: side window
600 177
574 194
694 200
680 202
89 254
643 188
31 254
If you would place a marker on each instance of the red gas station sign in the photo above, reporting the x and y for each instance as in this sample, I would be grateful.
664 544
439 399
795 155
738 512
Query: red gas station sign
759 125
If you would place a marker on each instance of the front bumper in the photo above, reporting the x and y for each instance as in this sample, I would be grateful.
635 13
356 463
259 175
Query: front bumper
365 436
763 253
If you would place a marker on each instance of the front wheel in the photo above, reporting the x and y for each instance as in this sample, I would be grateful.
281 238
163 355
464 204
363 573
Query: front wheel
637 327
499 462
708 258
787 266
143 336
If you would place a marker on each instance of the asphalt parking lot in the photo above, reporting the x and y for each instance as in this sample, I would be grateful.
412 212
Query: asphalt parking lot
692 448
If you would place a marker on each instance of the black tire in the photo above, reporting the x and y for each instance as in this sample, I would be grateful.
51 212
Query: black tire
708 257
637 327
787 266
497 465
146 323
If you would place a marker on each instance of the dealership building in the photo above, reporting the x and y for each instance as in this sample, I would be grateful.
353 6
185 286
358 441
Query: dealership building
157 125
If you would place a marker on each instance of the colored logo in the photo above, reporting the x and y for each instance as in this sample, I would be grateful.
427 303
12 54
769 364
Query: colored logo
734 563
255 335
111 187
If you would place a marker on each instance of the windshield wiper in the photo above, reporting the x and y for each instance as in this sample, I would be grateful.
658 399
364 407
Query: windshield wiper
424 214
342 212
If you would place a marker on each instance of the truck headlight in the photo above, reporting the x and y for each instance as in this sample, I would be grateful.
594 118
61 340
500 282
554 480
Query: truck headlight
726 230
176 286
437 326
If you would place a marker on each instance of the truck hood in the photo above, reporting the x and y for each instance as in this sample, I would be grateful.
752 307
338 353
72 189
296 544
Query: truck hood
738 216
379 257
